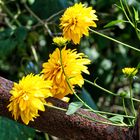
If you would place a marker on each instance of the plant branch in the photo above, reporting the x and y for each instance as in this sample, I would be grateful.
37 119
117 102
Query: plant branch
9 13
38 19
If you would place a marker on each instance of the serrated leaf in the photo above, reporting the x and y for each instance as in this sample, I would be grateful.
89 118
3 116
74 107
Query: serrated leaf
73 107
11 130
117 119
114 22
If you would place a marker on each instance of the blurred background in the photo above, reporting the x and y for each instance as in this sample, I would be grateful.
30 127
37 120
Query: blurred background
25 43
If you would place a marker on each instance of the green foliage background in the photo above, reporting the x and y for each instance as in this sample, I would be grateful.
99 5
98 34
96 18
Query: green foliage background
25 44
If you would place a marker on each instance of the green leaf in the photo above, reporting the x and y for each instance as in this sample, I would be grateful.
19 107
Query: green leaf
11 130
117 119
6 47
20 34
10 39
114 22
6 33
86 97
73 107
136 13
118 6
138 66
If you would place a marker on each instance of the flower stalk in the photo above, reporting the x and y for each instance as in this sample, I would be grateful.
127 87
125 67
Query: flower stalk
108 91
125 110
114 40
131 97
89 118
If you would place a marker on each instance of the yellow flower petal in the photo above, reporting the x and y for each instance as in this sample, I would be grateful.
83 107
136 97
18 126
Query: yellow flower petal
130 72
37 103
76 20
73 64
28 96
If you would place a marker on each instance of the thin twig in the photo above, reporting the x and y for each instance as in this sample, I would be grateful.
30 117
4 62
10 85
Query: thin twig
9 13
38 19
54 15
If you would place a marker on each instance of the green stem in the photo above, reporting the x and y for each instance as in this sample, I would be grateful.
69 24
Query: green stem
131 22
110 38
91 109
103 89
34 53
96 111
109 123
89 118
47 136
128 9
108 91
9 13
54 15
126 13
73 90
136 30
131 96
134 99
113 114
125 110
70 85
55 107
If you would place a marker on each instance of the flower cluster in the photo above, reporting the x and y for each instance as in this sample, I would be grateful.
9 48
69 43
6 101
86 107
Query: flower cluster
60 74
63 70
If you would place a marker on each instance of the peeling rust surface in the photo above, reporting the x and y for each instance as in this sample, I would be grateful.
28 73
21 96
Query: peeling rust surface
5 87
73 127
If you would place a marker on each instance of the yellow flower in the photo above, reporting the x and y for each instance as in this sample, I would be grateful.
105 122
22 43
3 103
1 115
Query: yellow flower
28 96
76 20
130 72
73 64
60 41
